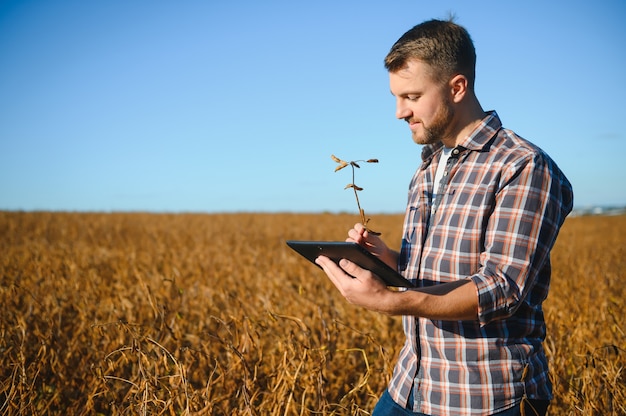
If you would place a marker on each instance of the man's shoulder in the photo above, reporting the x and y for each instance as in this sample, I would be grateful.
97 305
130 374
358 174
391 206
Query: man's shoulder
491 136
509 144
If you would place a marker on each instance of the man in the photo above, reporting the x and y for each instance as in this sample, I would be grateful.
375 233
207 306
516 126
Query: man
483 213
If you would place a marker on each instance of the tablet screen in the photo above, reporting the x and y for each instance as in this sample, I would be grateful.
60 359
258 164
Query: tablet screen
336 251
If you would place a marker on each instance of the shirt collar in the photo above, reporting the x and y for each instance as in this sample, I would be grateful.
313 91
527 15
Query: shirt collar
483 133
477 140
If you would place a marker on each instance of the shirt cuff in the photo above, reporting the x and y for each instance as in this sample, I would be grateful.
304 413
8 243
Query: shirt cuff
497 298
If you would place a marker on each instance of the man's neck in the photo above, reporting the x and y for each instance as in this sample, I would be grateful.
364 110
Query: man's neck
469 115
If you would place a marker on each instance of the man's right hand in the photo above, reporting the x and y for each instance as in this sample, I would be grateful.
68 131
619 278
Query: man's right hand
374 244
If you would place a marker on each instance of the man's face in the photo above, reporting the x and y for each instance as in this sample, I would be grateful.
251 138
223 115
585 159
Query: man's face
423 103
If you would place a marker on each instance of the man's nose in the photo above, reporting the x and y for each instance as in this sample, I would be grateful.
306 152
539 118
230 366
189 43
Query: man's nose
402 111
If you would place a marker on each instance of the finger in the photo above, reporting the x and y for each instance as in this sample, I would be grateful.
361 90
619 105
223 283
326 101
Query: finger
357 234
329 267
350 268
335 274
354 237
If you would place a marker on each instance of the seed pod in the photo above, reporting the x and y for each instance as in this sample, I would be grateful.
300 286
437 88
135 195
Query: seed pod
353 186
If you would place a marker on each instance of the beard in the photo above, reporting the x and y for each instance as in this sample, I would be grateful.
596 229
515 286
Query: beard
438 128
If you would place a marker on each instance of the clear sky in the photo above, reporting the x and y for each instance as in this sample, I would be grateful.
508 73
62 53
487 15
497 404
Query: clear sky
219 105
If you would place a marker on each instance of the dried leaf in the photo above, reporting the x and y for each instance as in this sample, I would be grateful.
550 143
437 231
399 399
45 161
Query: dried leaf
372 160
336 159
356 165
351 185
341 166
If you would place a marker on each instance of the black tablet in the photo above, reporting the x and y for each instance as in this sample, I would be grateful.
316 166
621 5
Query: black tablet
336 251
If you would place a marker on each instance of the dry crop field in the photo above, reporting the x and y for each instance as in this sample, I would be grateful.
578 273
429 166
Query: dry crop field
212 314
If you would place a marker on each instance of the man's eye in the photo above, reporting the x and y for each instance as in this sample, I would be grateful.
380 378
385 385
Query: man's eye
412 97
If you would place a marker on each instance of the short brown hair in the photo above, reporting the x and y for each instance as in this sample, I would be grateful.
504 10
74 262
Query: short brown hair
445 46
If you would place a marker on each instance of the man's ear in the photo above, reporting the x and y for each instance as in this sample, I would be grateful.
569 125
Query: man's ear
458 88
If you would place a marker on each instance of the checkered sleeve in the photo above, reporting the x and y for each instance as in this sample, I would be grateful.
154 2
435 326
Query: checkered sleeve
531 204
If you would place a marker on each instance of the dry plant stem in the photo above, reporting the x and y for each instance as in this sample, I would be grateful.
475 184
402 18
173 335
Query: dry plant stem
356 195
354 164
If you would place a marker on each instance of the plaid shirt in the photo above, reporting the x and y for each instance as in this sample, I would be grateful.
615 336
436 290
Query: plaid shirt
496 219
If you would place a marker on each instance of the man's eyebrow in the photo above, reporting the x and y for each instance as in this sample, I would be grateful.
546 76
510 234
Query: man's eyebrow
406 93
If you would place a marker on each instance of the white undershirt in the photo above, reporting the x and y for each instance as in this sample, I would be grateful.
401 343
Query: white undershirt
441 167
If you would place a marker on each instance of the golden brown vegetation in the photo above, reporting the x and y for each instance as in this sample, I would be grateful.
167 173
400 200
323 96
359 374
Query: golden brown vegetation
213 314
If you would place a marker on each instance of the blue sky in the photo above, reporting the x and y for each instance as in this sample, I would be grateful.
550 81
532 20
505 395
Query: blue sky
225 106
